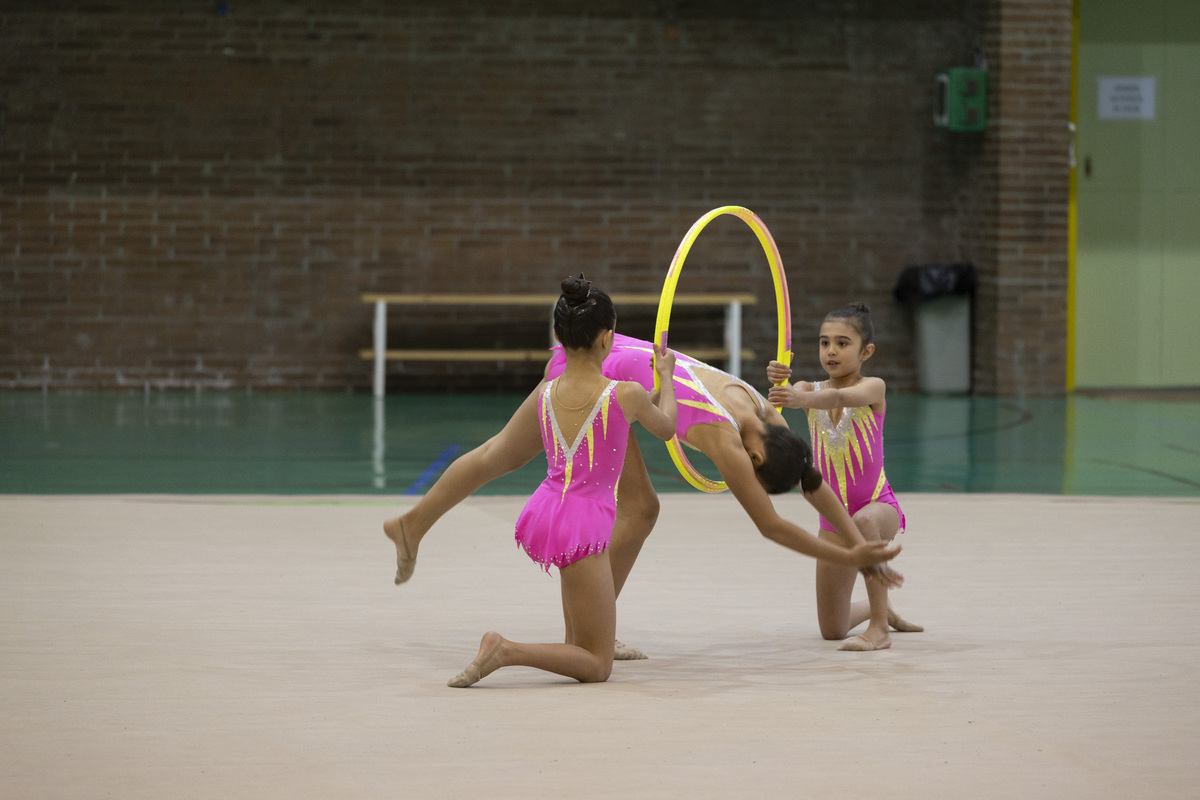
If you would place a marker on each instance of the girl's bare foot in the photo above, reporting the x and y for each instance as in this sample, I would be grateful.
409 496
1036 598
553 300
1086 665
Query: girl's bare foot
468 677
486 662
406 556
623 652
866 641
901 624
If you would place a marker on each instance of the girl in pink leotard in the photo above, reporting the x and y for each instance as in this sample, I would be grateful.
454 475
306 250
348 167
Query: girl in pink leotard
748 441
849 454
584 419
845 420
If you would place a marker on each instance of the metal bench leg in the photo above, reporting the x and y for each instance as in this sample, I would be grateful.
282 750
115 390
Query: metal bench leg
380 345
378 453
733 338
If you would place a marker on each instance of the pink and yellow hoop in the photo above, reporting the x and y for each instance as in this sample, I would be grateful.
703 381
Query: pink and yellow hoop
663 321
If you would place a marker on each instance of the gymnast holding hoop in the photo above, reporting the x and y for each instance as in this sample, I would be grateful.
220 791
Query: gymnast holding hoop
747 440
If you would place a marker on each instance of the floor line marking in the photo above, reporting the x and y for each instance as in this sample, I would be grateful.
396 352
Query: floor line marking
433 469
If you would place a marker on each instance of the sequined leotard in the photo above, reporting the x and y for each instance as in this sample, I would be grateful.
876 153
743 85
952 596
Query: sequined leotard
630 360
570 515
849 456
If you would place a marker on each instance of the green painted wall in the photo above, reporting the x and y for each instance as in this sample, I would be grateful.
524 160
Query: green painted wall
1138 255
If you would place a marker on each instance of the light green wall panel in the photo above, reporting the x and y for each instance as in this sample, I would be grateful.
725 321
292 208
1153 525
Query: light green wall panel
1181 115
1117 318
1181 217
1118 256
1137 281
1182 22
1181 290
1122 20
1124 155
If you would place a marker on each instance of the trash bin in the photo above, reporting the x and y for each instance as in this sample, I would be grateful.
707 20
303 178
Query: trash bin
941 296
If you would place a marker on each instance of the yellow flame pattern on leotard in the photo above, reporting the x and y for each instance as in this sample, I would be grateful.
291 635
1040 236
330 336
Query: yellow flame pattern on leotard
552 433
836 449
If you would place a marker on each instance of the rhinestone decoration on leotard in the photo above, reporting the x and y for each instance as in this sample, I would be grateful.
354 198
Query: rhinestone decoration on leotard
586 433
836 447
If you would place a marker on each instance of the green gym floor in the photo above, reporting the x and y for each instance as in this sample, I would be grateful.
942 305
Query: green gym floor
310 443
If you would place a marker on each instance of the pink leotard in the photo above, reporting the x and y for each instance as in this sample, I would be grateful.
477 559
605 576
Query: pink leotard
850 458
570 515
630 360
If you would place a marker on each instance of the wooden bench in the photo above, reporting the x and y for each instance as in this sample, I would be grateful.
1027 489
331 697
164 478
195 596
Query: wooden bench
732 353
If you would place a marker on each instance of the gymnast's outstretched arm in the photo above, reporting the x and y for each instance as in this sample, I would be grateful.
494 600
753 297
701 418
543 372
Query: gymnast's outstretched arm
509 450
737 470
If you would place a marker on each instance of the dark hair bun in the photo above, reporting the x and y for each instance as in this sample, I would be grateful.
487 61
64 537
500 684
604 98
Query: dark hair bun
582 313
576 289
810 481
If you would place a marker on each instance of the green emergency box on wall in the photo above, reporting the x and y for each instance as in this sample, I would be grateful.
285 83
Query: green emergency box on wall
961 103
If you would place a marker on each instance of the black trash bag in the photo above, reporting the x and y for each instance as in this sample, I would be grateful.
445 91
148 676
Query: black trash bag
927 281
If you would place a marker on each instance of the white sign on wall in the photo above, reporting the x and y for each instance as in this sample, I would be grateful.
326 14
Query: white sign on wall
1125 98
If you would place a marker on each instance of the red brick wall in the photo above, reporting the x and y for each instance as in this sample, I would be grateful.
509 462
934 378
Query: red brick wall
190 199
1018 234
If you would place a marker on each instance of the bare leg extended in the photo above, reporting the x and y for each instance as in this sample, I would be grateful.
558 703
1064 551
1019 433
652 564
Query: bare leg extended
836 614
590 606
509 450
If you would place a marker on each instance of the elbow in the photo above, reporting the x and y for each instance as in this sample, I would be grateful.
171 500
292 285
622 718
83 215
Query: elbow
771 533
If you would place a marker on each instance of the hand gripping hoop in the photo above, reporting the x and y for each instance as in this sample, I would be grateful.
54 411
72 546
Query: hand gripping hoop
663 321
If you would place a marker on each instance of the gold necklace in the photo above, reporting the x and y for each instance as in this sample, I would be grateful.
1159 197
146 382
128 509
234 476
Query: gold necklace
588 401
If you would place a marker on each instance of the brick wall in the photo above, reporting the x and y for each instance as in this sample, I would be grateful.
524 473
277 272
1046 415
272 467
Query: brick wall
1018 229
194 199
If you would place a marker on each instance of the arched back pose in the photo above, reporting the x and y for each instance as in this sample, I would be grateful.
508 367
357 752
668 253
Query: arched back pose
722 416
585 421
845 420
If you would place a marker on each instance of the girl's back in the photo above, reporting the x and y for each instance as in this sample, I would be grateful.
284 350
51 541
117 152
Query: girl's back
585 444
571 514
